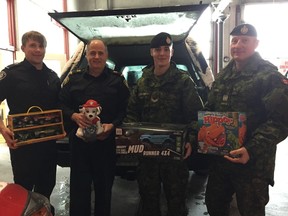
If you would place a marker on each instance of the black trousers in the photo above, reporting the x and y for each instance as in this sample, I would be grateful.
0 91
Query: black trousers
34 166
92 164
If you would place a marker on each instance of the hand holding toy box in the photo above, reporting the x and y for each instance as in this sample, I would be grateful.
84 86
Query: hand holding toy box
37 126
220 132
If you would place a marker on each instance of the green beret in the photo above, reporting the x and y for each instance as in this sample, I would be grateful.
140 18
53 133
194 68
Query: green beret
244 30
161 39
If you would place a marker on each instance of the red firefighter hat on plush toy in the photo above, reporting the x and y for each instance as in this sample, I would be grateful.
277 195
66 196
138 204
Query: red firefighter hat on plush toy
91 103
17 201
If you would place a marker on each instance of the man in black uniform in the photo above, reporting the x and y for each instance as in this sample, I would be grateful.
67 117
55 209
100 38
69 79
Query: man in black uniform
31 83
93 162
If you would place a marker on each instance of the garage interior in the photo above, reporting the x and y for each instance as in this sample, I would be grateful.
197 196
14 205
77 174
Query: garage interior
125 198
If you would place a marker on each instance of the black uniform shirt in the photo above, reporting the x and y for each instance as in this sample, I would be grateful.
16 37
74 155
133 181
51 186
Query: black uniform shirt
109 90
24 86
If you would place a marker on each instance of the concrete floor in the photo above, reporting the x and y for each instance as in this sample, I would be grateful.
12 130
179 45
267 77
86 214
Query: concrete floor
125 194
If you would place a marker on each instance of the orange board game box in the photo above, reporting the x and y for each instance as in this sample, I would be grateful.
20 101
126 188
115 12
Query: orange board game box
220 132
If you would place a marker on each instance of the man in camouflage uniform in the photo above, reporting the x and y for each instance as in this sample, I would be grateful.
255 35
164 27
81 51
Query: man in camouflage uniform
252 85
163 94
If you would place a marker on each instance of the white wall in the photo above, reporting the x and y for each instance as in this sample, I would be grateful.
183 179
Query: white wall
272 31
33 15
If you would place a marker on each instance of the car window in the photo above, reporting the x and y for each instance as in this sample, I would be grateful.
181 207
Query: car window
182 67
133 72
110 64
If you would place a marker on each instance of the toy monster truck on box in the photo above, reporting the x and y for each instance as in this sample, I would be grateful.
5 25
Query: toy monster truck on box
151 140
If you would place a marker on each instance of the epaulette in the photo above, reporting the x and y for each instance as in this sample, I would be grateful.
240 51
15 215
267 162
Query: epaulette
4 72
117 73
76 71
122 77
71 73
9 67
273 66
267 66
182 73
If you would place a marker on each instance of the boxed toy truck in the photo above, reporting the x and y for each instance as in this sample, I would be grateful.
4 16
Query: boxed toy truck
151 140
37 126
220 132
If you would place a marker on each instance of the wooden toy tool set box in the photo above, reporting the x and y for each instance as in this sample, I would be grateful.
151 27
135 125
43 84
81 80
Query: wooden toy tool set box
37 126
151 140
220 132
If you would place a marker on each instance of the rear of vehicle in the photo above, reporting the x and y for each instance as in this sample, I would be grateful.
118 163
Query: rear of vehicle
127 33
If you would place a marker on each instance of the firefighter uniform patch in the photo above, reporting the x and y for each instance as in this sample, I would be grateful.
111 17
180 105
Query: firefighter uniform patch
2 75
285 81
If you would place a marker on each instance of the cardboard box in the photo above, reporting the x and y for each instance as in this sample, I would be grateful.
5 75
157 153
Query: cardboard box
39 126
220 132
151 140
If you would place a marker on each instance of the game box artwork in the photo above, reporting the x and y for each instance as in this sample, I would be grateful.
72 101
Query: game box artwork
220 132
151 140
36 126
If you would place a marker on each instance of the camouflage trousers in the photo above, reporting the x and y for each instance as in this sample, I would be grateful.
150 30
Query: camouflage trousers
224 181
173 176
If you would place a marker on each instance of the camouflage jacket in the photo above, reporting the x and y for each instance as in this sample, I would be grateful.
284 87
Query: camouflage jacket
171 98
261 92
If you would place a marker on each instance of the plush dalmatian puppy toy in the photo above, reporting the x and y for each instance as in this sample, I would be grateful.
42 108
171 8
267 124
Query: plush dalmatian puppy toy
91 109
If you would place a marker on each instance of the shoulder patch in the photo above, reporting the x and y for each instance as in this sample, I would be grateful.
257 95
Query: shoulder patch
2 75
285 81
